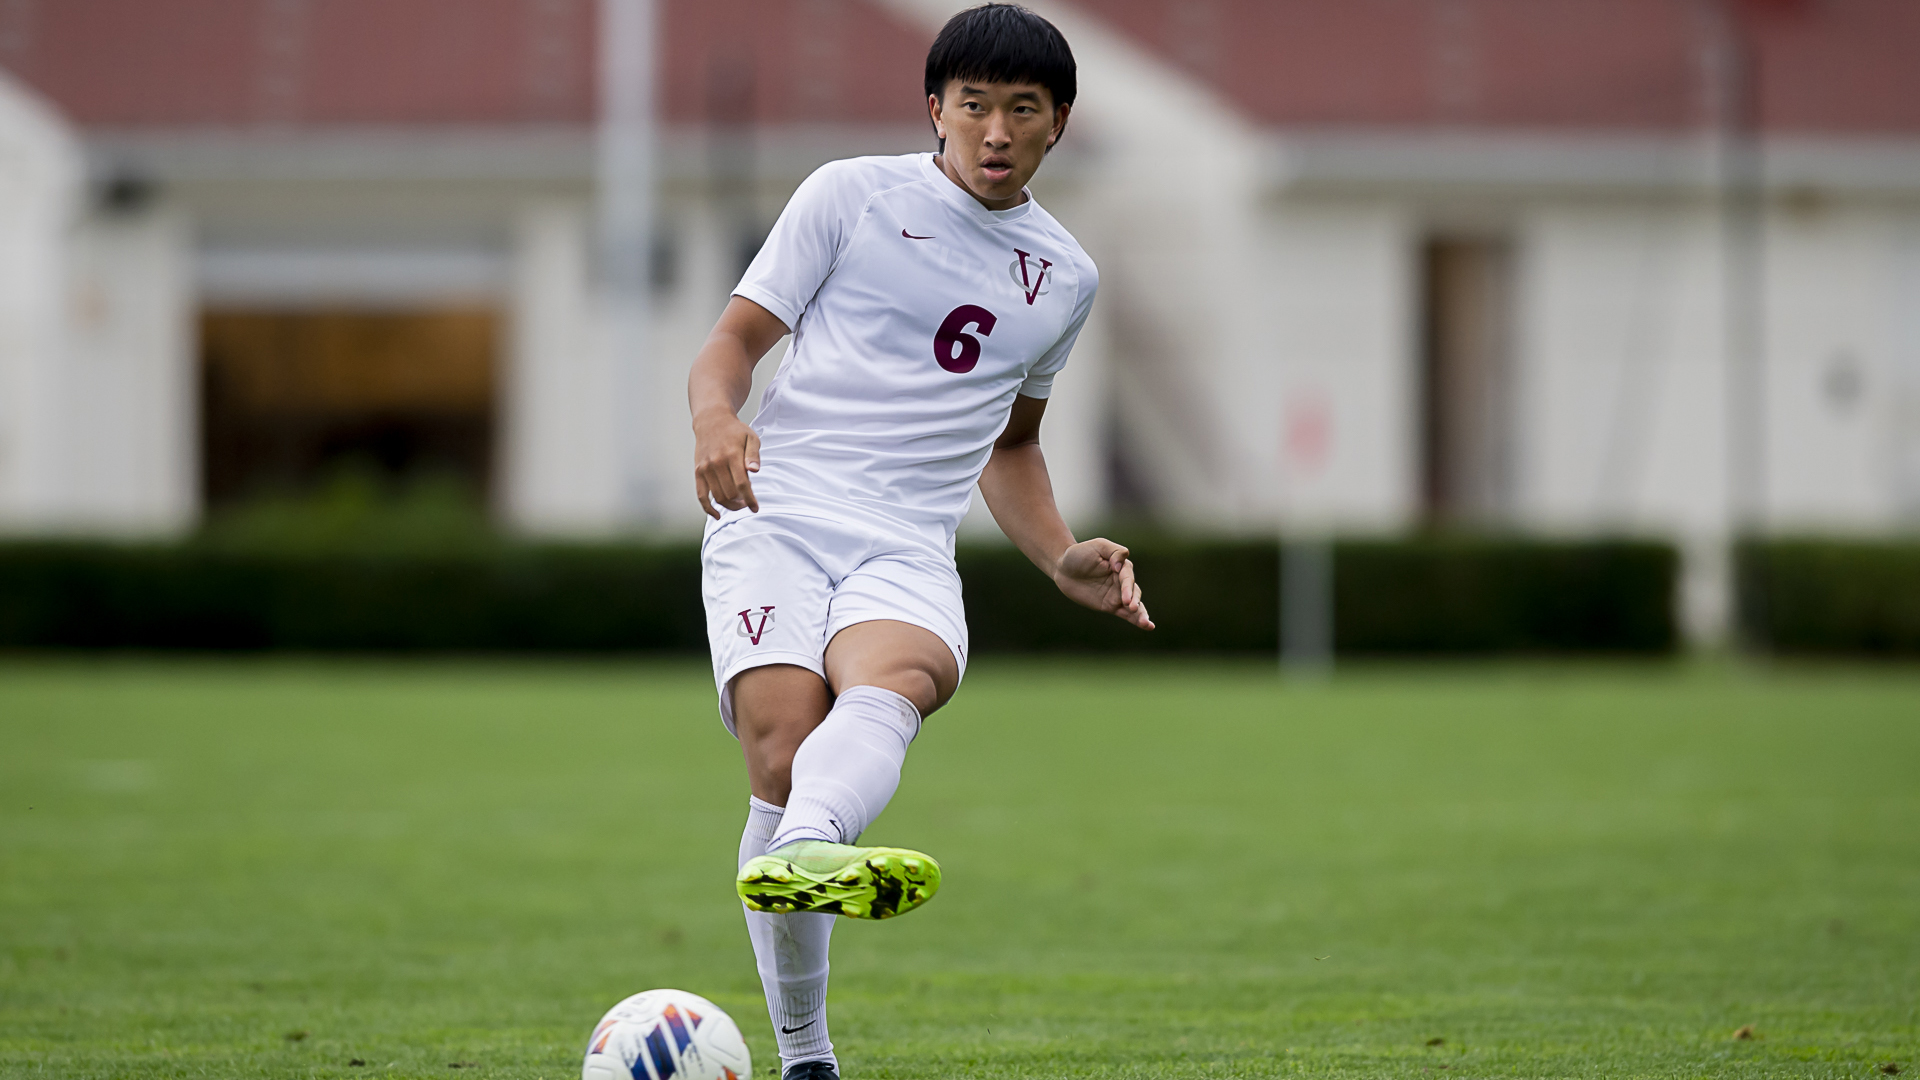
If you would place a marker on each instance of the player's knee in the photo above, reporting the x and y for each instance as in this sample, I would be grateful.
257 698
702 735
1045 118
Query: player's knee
772 779
769 745
775 708
918 685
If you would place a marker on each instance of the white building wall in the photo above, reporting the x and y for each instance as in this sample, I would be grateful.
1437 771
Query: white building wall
1620 363
127 444
98 423
1623 415
1335 419
40 185
1897 406
1832 274
558 469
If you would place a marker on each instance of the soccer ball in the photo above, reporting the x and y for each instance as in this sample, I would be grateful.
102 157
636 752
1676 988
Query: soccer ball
666 1033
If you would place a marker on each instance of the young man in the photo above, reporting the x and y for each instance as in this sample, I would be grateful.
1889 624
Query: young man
931 302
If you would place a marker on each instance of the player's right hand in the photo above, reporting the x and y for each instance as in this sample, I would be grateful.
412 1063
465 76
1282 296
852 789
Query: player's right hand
725 452
1098 574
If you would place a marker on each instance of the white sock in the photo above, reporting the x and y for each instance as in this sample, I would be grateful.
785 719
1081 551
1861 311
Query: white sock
791 953
847 770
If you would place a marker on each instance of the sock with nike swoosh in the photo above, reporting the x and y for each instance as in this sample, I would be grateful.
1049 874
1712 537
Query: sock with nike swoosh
791 954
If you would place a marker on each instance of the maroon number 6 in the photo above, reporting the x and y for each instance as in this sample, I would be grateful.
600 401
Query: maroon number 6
954 332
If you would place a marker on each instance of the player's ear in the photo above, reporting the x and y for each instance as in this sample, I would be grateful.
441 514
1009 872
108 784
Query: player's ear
933 113
1059 124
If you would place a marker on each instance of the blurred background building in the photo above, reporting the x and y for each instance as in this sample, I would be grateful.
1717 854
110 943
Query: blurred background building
1564 266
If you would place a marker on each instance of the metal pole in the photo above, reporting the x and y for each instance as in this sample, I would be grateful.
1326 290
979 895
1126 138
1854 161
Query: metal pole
1743 234
1306 606
626 209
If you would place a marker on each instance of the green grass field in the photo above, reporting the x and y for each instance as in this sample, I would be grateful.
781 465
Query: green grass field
287 868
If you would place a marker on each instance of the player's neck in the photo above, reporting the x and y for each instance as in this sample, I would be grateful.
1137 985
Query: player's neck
947 170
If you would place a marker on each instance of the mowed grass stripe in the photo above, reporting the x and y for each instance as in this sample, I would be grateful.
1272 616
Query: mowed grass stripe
1152 869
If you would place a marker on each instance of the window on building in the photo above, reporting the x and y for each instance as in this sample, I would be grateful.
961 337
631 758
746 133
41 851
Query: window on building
1467 380
290 398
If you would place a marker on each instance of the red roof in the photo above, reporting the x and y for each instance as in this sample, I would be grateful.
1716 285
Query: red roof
1836 66
1830 66
1840 65
134 63
233 62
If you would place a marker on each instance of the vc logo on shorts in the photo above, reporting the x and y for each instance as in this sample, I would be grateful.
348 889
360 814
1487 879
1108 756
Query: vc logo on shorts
755 624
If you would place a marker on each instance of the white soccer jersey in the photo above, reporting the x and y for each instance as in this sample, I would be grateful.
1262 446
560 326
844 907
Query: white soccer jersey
917 316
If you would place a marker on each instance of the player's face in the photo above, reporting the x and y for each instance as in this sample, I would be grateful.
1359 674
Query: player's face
997 134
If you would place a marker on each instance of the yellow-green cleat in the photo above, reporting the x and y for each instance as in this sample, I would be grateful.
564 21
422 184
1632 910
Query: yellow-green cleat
839 879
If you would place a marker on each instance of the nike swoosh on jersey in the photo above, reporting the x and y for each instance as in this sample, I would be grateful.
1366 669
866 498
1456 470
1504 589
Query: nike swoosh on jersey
910 236
785 1030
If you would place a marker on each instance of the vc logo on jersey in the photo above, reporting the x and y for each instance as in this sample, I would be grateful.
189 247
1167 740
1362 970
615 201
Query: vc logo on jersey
1032 273
755 624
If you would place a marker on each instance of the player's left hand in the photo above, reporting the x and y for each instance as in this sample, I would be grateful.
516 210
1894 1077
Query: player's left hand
1097 574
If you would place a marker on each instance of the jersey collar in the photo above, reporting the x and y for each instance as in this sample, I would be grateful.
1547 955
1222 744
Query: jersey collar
969 205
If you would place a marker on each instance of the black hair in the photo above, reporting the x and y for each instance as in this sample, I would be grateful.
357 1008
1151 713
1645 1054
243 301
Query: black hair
1001 43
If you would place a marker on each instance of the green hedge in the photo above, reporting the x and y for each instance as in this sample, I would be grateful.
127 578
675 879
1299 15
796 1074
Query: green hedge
1832 596
1462 595
1407 596
557 597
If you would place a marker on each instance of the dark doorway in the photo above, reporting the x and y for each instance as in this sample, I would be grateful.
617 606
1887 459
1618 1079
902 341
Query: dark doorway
290 397
1467 377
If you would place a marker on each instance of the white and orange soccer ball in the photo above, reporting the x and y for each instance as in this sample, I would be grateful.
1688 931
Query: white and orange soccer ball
666 1035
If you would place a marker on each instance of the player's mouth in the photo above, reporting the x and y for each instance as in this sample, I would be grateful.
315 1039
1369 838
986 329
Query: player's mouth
996 167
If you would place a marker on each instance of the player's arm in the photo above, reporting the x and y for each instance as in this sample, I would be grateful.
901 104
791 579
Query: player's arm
725 449
1094 573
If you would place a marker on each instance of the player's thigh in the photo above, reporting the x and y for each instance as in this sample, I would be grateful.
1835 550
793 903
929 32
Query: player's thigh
897 621
909 660
775 708
767 598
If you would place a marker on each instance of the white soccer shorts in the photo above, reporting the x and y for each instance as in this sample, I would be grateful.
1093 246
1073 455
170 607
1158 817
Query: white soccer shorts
779 587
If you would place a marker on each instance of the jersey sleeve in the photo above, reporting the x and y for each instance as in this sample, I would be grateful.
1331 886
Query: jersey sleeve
1039 381
805 243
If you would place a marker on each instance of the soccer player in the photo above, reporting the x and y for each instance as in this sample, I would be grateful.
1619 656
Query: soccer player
931 303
